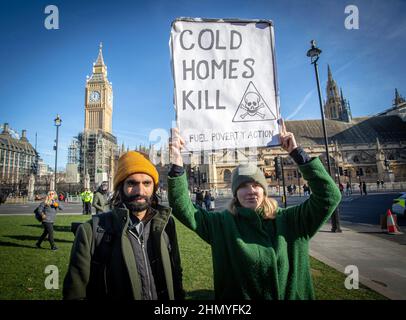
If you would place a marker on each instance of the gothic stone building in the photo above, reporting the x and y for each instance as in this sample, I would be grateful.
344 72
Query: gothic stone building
373 145
17 159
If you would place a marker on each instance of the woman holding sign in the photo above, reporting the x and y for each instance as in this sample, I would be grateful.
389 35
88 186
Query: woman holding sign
259 251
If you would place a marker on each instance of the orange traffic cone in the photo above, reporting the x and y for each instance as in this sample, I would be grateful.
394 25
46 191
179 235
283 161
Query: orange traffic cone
392 228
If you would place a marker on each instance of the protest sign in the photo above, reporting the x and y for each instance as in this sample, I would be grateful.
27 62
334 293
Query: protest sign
226 93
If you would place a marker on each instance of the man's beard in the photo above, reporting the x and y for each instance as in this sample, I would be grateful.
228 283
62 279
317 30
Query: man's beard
133 206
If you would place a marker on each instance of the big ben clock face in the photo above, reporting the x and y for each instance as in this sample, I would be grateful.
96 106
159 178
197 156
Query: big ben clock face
94 96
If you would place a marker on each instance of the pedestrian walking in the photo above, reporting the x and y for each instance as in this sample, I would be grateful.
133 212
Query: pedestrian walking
259 251
100 198
199 197
130 252
348 189
48 209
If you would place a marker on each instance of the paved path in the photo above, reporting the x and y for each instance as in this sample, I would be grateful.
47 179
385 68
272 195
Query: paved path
381 263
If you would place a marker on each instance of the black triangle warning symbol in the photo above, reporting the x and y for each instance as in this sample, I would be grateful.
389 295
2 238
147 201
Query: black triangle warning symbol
253 107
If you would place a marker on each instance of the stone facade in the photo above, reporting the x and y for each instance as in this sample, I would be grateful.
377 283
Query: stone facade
17 159
373 146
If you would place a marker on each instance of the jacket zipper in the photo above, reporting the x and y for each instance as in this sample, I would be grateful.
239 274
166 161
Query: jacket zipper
145 262
147 265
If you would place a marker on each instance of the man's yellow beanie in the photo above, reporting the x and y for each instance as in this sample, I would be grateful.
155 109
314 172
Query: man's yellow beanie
134 162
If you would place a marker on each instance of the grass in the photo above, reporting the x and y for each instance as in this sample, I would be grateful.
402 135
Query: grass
22 265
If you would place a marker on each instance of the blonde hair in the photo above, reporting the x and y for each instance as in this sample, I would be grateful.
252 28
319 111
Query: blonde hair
51 195
269 207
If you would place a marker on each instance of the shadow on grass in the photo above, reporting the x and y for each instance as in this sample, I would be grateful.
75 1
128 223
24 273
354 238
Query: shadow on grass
56 227
16 245
35 238
200 295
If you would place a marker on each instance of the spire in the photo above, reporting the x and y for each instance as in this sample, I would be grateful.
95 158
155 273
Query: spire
99 68
100 61
330 76
398 98
378 145
380 155
342 97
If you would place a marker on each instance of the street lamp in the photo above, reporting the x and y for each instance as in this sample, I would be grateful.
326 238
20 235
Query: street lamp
58 122
314 54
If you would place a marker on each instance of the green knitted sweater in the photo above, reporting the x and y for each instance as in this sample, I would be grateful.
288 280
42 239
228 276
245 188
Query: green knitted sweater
255 258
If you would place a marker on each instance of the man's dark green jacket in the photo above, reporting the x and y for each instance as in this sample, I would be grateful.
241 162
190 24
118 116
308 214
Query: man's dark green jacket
255 258
120 276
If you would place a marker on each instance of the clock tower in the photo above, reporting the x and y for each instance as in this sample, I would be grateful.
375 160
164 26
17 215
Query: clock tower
98 98
98 145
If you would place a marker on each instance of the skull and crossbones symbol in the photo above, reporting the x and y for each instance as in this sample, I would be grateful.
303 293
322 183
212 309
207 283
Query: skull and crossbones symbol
252 105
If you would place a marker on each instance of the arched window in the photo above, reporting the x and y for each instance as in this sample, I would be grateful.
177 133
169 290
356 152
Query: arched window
227 175
355 159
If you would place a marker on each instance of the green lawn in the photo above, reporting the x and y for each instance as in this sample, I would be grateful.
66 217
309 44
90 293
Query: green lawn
22 265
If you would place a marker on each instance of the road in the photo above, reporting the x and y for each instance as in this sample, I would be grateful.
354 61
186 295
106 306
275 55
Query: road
360 213
28 208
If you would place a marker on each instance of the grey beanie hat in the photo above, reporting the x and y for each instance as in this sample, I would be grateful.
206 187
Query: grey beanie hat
247 173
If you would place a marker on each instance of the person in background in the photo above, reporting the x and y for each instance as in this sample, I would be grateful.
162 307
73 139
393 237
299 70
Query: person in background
199 197
87 199
48 208
364 188
207 199
100 198
341 187
349 192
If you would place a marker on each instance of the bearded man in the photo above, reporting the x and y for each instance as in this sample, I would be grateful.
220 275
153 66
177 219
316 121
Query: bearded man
132 251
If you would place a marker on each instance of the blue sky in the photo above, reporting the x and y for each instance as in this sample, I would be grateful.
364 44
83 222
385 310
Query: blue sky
43 72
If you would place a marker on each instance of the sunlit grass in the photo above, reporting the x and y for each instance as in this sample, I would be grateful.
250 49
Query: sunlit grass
22 265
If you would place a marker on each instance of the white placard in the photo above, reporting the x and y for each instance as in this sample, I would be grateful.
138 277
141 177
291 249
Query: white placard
226 94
